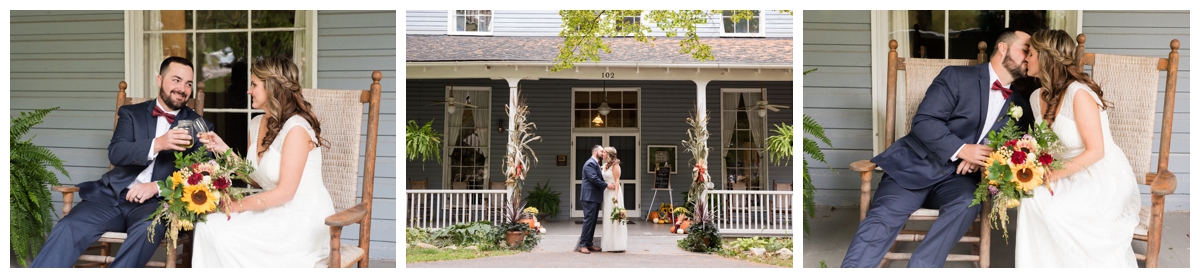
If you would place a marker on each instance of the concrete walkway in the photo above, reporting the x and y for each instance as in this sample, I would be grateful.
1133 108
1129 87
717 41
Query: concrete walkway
650 246
833 227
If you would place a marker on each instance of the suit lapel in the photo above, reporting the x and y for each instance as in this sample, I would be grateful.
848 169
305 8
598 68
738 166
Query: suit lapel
982 96
148 120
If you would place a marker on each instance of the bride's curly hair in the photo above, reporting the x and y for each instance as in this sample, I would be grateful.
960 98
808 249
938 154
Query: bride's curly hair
1057 69
611 153
281 81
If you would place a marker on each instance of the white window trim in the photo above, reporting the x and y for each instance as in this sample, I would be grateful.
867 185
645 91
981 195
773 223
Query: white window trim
641 18
881 22
762 26
136 78
765 166
451 26
486 149
607 89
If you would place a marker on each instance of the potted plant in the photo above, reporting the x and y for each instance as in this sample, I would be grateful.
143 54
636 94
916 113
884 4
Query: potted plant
514 230
702 235
422 142
545 200
30 215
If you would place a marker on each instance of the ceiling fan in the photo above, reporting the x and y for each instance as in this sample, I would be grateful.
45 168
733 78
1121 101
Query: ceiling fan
451 102
762 106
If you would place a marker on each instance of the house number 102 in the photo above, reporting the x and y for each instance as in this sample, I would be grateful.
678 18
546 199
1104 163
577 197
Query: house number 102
608 75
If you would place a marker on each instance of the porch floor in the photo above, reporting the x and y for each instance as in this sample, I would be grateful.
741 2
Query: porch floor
649 246
833 227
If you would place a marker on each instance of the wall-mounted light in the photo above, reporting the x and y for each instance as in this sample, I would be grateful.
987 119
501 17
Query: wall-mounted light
500 125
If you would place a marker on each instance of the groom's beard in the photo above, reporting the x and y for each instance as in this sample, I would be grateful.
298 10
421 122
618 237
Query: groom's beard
1013 67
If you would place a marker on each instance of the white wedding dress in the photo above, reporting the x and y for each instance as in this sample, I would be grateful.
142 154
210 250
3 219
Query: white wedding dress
615 235
290 235
1089 221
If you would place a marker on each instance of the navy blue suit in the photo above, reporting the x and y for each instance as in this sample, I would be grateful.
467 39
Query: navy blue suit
918 171
591 193
103 207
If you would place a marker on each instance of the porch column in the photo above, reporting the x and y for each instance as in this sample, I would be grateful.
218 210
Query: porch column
701 89
512 103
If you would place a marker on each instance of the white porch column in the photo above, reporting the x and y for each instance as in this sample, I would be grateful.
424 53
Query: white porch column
512 104
701 89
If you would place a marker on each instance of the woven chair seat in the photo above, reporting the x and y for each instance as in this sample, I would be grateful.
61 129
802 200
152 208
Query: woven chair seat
349 255
1143 227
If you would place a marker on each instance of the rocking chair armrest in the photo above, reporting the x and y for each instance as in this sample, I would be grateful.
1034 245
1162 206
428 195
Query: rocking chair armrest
862 166
65 189
346 217
1162 183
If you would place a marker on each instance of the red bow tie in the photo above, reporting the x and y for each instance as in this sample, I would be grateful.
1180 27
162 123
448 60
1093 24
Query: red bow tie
1006 91
158 112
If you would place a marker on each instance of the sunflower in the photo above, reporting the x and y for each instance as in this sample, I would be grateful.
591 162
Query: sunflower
176 180
199 199
1026 176
996 156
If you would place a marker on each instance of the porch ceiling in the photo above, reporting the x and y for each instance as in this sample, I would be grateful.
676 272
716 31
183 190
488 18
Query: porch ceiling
544 49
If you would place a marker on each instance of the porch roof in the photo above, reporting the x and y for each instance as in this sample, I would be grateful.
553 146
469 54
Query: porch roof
544 49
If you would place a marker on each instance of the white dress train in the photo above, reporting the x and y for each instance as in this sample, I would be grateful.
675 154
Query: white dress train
290 235
1089 221
615 235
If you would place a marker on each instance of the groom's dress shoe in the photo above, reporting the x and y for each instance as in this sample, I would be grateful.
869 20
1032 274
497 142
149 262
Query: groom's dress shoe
594 248
584 250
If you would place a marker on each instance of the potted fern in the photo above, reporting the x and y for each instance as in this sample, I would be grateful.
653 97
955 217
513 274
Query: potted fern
30 208
545 199
811 149
422 142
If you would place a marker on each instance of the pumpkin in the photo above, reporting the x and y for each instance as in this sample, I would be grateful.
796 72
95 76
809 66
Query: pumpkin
684 226
531 222
654 215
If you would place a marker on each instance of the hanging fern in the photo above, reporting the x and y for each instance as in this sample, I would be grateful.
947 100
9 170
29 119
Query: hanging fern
779 146
30 206
422 142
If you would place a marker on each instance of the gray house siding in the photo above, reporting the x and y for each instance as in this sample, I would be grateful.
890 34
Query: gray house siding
351 45
838 94
665 106
547 23
52 68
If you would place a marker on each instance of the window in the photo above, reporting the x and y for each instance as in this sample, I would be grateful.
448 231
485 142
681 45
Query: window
467 139
471 22
743 134
606 107
628 20
943 34
221 45
744 27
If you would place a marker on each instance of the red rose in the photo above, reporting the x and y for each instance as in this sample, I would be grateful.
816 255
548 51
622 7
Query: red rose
195 179
222 183
1046 159
1011 143
1018 157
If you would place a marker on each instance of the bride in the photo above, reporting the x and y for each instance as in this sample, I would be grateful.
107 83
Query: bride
616 234
1090 218
282 226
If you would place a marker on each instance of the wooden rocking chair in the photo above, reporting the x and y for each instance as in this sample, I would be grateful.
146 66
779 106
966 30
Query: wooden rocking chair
340 113
182 258
919 74
1131 84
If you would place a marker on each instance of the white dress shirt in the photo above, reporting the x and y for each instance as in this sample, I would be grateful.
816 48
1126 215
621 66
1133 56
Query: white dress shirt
159 130
995 104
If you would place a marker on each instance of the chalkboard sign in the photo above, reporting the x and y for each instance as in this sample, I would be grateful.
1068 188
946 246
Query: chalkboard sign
662 178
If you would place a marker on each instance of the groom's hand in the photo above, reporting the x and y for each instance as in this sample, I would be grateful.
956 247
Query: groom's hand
966 168
141 192
174 139
974 154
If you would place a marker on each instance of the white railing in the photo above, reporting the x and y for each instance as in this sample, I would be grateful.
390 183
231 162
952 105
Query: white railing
751 212
436 208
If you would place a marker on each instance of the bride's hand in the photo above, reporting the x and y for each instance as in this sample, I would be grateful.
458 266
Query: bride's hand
213 142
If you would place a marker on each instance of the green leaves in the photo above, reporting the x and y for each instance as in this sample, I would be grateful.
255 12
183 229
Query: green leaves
422 142
30 205
779 146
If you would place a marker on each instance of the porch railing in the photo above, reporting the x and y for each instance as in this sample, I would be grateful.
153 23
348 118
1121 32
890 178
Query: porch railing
751 212
438 208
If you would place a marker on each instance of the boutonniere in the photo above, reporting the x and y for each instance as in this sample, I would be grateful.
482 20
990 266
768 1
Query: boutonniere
1015 111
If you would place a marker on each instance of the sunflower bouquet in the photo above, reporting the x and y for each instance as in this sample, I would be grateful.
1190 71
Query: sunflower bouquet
201 185
1019 163
618 213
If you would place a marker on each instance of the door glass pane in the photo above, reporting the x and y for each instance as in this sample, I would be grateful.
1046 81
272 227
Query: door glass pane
626 151
220 54
926 34
222 19
629 195
269 19
272 44
583 152
168 20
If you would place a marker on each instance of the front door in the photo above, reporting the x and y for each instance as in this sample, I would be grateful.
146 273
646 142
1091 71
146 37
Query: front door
627 151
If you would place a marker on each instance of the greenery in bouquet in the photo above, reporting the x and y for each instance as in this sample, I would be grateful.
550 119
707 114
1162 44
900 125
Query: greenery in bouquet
618 213
1019 163
201 185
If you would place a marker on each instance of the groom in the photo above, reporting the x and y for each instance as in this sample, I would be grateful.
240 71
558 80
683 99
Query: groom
591 193
934 165
142 151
